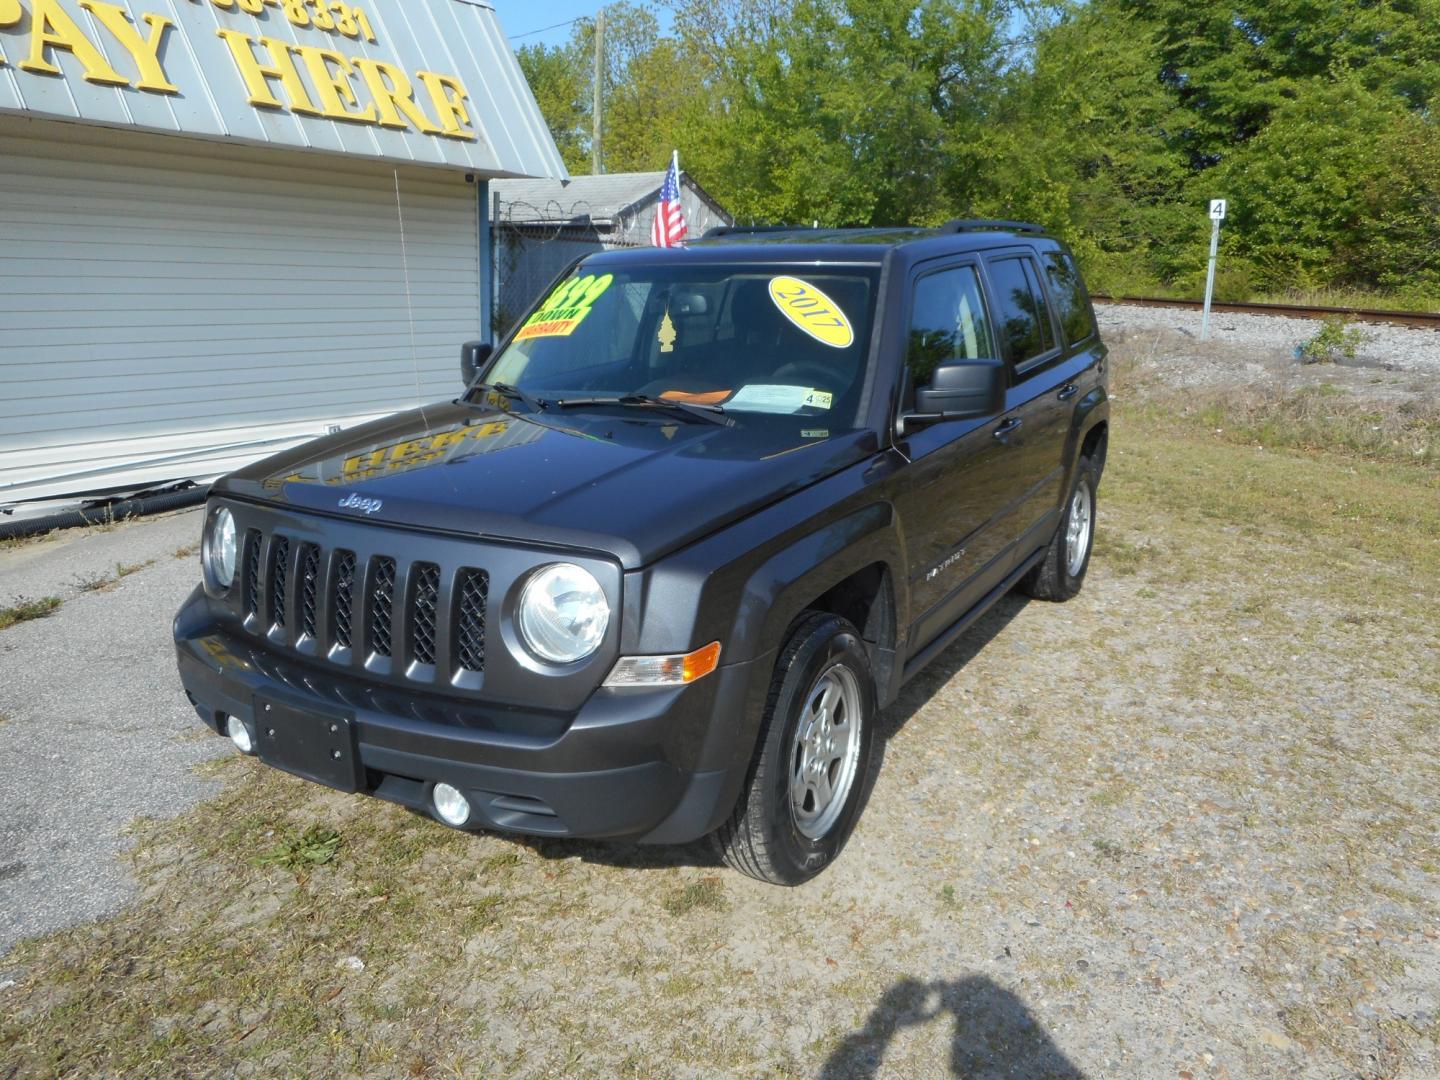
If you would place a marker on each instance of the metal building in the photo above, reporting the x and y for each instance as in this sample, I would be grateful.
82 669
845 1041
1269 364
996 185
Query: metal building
541 226
228 225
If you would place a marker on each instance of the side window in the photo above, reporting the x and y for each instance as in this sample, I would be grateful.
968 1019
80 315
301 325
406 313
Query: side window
1069 296
947 322
1021 315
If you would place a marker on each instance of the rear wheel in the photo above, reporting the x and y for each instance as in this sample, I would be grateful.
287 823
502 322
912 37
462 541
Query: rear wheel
802 795
1061 572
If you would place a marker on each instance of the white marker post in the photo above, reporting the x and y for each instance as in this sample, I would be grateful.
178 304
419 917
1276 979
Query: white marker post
1217 215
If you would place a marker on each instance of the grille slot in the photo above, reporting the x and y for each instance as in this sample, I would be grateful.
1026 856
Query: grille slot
279 577
424 609
473 594
252 572
344 593
309 587
382 606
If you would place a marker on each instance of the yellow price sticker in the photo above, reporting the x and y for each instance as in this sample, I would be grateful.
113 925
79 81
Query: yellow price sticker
812 311
565 308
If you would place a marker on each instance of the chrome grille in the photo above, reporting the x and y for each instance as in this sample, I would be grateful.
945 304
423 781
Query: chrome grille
344 590
474 591
382 606
424 601
279 576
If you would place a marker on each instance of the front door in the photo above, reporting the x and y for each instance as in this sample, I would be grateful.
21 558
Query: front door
961 480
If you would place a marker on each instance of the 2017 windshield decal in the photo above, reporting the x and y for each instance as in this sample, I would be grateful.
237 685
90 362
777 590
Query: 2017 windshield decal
566 307
812 311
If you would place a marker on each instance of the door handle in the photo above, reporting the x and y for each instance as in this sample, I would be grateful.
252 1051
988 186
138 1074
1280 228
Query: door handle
1007 428
1067 392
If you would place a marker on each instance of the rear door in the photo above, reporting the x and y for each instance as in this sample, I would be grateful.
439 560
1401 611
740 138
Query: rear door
961 479
1039 399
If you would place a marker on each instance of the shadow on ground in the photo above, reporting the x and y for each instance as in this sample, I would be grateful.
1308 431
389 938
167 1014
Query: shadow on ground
913 697
993 1034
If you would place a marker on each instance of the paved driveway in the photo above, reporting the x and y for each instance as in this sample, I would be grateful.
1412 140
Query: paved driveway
94 728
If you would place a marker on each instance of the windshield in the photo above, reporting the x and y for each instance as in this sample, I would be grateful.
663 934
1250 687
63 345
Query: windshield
771 345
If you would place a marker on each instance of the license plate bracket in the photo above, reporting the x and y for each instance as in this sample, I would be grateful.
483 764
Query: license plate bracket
315 745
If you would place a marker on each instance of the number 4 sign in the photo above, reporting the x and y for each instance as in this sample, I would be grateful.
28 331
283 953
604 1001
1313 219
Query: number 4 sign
1217 209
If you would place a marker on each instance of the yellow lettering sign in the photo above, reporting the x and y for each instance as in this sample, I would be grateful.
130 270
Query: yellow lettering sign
323 83
257 75
10 12
144 51
390 87
337 96
52 28
449 97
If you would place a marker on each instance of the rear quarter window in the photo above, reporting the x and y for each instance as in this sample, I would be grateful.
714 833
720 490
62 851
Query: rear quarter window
1069 294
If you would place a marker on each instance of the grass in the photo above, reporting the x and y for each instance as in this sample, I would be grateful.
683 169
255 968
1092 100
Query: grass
24 610
706 893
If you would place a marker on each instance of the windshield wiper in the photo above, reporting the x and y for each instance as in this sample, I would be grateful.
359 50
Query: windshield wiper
513 392
714 414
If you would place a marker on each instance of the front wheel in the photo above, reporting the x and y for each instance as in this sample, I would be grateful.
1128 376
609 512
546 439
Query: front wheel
1061 572
803 793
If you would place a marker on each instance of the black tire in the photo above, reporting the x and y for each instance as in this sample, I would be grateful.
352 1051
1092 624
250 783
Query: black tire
1054 577
764 837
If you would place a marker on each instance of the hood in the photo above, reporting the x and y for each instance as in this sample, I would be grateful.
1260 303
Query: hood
635 483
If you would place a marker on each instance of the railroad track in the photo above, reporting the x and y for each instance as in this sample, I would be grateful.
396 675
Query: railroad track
1419 319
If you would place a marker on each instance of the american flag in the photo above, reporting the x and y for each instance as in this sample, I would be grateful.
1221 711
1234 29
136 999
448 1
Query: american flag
668 229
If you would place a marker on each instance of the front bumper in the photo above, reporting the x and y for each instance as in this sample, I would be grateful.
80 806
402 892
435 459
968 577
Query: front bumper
657 765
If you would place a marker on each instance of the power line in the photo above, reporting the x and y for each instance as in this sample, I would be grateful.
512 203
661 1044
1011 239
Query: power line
557 26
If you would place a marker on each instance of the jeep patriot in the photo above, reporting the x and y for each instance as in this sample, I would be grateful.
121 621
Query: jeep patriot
689 527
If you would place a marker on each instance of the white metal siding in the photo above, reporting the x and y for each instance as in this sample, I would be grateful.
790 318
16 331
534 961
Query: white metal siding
172 308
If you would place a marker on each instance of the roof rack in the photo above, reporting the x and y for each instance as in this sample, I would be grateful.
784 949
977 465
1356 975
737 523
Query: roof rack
959 225
731 230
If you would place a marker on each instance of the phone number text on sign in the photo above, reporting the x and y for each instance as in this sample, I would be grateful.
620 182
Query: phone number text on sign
332 16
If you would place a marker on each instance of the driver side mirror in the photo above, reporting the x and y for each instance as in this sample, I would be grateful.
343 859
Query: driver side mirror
473 355
961 390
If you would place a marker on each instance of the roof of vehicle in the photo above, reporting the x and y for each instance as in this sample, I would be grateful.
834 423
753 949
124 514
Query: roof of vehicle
789 243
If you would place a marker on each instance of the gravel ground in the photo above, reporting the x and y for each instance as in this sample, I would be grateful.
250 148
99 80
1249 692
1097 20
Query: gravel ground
1395 348
94 728
1179 828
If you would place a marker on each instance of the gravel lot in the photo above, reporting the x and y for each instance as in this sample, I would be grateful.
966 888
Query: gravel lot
94 729
1180 827
1394 348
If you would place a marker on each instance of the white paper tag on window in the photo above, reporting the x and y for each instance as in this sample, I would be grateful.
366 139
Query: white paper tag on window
777 398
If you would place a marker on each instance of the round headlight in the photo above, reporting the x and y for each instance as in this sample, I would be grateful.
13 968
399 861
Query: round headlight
220 548
563 613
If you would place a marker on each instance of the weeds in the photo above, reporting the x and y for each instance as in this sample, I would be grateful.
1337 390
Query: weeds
24 610
299 851
1336 341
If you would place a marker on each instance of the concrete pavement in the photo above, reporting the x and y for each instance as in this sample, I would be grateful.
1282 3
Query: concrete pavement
95 730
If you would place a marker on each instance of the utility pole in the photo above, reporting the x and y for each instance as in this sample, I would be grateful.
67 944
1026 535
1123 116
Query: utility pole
597 102
1217 215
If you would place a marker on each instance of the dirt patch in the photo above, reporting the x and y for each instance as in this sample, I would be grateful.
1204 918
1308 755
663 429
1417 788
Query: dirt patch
1180 826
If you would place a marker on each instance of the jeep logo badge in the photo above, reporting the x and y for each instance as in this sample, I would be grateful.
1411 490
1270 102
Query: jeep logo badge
359 502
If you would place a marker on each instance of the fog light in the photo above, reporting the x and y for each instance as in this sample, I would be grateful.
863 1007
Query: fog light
453 808
240 735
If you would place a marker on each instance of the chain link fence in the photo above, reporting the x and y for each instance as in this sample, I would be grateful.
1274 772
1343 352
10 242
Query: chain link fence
533 245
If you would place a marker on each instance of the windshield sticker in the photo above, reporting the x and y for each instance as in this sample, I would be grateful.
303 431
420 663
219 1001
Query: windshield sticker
774 398
812 311
565 308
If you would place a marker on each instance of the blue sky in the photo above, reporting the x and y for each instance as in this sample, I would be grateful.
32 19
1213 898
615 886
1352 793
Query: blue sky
520 18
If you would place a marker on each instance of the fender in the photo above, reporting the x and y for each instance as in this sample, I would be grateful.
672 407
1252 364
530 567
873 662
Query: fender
1092 409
